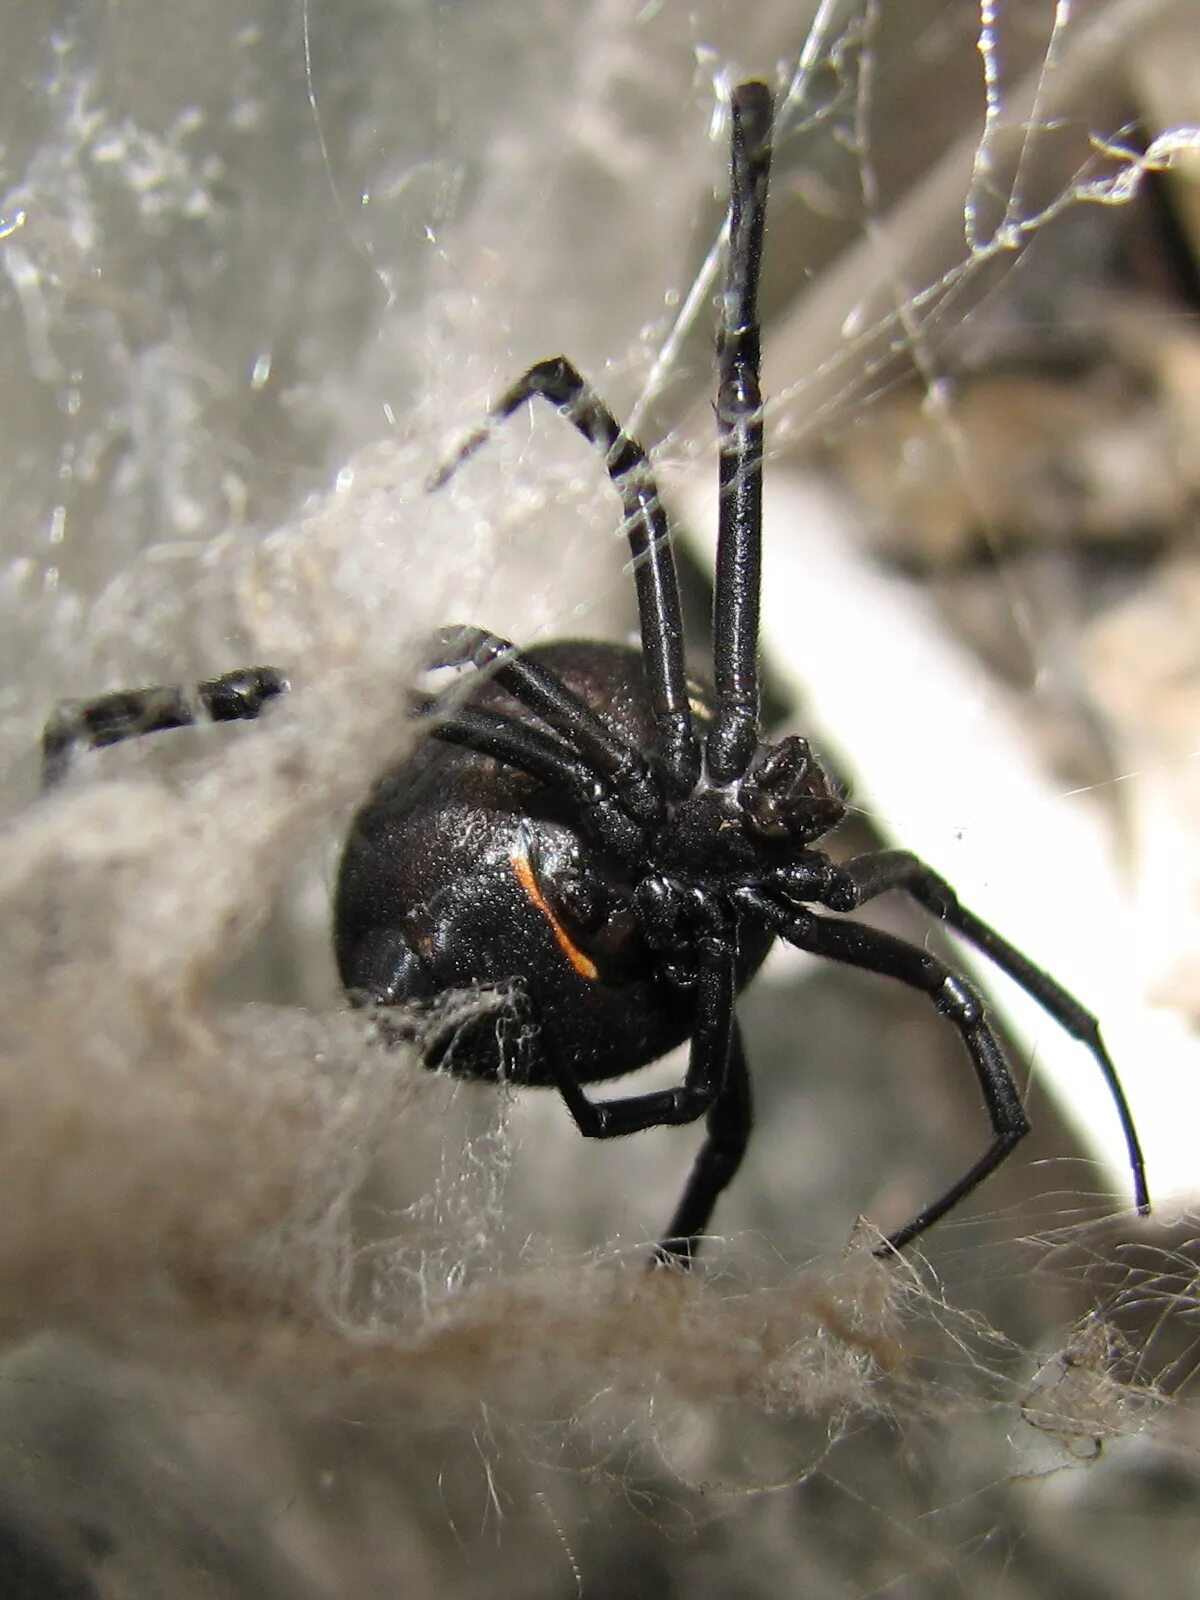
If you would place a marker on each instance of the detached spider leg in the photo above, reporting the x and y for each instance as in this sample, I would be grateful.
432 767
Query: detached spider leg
857 945
559 382
237 696
855 882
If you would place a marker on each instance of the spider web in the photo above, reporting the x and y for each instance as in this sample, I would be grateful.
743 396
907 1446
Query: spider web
283 1297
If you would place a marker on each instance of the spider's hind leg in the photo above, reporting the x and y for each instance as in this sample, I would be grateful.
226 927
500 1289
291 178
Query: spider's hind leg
613 759
727 1133
714 1086
237 696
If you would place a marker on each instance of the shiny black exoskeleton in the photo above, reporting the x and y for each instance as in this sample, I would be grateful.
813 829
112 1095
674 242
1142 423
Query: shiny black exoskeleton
462 871
612 848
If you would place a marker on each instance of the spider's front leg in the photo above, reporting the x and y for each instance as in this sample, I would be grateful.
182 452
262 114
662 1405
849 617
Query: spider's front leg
858 945
864 878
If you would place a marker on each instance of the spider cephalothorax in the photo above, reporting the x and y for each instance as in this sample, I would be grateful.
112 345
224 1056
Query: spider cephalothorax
610 848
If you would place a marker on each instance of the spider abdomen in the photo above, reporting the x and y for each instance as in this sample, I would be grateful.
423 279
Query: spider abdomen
461 873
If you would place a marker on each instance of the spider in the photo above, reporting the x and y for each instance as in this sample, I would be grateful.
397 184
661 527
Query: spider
613 846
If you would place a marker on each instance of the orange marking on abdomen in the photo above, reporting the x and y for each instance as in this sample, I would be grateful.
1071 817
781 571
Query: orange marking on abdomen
584 965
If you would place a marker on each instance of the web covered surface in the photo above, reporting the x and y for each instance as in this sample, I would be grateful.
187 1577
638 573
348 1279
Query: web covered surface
258 269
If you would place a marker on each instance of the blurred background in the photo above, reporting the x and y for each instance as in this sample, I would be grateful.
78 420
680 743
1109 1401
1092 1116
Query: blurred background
263 263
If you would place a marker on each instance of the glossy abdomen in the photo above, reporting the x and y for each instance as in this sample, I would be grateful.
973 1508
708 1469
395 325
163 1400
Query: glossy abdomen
438 891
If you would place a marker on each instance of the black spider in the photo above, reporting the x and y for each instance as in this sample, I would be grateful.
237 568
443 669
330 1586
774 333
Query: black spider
614 846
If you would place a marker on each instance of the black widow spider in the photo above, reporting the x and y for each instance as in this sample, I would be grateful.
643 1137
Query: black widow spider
613 847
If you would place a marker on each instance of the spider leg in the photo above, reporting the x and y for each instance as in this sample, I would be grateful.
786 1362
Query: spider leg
541 756
542 691
559 382
715 1073
236 696
857 881
729 1121
857 945
733 736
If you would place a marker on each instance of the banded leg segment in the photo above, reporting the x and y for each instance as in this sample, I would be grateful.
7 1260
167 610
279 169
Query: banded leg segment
237 696
560 383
